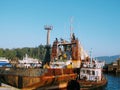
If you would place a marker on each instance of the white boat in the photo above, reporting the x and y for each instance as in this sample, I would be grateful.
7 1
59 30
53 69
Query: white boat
91 75
91 71
2 59
4 62
29 62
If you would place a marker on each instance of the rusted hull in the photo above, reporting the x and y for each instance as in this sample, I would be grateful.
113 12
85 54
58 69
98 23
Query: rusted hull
49 77
83 85
92 85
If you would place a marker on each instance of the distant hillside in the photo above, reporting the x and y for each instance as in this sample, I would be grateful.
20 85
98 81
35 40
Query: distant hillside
108 59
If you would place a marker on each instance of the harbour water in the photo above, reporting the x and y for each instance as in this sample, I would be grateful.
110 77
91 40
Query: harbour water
113 81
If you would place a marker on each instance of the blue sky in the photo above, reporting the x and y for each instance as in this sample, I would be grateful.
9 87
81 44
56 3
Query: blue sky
96 23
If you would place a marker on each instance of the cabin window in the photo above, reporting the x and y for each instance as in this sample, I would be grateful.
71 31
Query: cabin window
88 71
82 71
93 72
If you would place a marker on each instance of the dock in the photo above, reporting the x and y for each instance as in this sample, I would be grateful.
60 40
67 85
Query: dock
7 87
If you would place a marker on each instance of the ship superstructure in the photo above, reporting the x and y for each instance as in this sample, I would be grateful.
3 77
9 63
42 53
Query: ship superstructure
64 51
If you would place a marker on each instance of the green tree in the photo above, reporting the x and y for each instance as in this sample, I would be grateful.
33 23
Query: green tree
19 53
1 52
36 52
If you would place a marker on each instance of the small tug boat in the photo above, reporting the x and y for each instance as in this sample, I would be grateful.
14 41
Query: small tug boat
91 76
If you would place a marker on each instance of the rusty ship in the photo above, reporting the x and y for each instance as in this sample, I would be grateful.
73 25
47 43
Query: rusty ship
61 66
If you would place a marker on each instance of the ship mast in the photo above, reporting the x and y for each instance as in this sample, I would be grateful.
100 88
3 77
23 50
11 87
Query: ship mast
91 57
48 28
71 28
47 55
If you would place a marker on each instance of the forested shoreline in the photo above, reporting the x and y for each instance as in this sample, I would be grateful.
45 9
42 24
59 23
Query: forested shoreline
19 53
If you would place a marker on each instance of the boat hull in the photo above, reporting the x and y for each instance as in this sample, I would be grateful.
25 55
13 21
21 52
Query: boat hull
92 85
84 85
36 78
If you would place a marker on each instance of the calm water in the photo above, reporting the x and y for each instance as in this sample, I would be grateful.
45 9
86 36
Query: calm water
113 81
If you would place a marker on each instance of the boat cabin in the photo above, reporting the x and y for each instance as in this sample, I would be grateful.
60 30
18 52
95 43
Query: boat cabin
91 70
90 74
